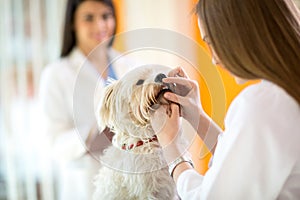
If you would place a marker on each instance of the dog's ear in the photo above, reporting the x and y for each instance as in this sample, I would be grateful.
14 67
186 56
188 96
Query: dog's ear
107 106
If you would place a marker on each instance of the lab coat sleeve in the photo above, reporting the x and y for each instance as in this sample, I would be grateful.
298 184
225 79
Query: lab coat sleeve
189 184
59 125
253 158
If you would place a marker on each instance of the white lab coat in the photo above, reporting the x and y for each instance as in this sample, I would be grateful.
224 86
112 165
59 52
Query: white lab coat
258 154
69 91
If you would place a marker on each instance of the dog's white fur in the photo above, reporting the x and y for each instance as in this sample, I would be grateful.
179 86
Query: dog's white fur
140 172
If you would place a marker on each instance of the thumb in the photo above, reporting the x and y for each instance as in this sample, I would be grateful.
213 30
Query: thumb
175 110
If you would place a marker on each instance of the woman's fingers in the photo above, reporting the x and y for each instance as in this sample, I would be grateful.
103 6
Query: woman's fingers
182 86
175 110
163 121
181 73
172 97
174 72
178 72
177 80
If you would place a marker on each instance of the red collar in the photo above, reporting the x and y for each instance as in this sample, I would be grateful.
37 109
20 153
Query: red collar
139 143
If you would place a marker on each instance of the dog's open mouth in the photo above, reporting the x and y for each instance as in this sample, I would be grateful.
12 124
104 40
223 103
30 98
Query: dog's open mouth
160 96
160 99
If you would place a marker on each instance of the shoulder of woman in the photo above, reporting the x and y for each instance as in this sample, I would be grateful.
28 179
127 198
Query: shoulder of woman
267 112
54 73
265 98
264 106
57 66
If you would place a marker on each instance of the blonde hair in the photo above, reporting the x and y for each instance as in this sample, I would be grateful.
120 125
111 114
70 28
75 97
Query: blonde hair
256 39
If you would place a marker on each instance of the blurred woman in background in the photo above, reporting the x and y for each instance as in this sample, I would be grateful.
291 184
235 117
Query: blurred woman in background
67 91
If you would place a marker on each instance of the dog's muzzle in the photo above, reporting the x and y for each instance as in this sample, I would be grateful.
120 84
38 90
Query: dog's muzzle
160 77
165 87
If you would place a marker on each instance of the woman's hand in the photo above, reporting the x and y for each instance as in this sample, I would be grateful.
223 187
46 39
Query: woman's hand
166 125
186 93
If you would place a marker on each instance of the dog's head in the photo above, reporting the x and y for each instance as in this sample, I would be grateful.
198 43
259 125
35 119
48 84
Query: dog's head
126 104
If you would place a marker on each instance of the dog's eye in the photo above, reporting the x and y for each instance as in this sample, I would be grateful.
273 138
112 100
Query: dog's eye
140 82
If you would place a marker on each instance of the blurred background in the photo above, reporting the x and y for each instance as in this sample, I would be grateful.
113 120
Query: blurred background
30 38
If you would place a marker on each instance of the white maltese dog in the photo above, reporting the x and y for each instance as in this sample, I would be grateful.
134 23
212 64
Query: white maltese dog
133 167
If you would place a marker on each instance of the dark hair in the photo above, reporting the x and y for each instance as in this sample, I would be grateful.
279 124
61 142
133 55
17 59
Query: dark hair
256 39
69 38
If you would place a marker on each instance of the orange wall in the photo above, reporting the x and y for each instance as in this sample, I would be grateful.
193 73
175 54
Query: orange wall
121 22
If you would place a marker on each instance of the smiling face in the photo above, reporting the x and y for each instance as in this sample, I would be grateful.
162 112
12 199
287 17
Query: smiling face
127 104
94 23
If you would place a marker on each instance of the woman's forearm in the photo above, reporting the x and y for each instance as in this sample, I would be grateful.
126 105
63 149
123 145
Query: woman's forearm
208 130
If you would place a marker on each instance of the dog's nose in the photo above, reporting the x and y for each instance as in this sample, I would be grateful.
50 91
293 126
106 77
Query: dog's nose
159 77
